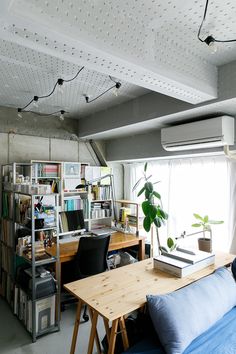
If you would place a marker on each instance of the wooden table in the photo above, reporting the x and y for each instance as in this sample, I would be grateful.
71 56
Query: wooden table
118 241
115 293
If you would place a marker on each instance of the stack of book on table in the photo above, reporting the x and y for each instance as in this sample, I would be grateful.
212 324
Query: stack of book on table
183 262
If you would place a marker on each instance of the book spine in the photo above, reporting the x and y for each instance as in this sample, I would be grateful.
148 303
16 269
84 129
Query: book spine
179 258
198 266
165 267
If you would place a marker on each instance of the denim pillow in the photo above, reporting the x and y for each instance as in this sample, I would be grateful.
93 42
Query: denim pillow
181 316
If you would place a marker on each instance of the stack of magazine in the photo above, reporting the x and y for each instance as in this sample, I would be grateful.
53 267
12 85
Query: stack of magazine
183 262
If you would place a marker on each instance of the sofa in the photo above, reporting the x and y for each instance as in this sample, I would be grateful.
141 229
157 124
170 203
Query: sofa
197 319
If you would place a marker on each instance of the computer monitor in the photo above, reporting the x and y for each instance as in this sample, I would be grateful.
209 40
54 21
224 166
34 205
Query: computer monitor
71 222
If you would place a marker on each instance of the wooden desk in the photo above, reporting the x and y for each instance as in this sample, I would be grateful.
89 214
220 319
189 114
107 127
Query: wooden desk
118 241
115 293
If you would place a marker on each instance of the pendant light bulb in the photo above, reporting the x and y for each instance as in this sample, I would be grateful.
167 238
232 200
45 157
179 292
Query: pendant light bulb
61 117
210 41
115 92
19 114
116 89
36 101
60 86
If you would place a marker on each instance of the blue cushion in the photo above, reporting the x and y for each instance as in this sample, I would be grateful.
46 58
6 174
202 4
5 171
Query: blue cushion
181 316
218 339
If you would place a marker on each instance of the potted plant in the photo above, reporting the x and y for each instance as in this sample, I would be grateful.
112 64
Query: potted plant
205 243
152 209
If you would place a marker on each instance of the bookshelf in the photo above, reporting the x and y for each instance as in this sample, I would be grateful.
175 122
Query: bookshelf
63 177
29 226
129 215
72 198
100 196
13 176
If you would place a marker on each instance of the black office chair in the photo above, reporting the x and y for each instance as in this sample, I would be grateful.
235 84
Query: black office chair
91 259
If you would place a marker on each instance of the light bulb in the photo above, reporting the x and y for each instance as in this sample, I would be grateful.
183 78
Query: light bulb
19 114
61 117
116 88
60 86
213 47
115 91
86 97
211 42
36 101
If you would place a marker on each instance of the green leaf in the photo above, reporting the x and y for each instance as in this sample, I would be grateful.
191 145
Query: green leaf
157 222
156 195
196 225
198 217
170 242
137 183
141 191
147 194
162 214
214 222
153 212
205 219
146 207
147 223
149 186
145 167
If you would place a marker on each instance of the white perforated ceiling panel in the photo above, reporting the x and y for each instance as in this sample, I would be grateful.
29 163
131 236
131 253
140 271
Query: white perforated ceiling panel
147 43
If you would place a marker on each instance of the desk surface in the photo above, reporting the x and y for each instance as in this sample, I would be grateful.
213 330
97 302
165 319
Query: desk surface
115 293
118 241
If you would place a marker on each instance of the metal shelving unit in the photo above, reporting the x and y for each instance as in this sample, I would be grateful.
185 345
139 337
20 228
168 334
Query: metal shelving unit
42 262
14 186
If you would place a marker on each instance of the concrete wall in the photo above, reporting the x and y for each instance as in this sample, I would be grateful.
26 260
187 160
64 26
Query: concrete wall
23 148
145 146
40 138
143 108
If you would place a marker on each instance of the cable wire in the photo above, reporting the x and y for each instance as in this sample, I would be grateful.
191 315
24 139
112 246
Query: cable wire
46 114
59 82
117 86
103 93
210 39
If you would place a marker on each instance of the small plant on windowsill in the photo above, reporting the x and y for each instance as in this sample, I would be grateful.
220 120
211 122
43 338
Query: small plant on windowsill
153 210
205 243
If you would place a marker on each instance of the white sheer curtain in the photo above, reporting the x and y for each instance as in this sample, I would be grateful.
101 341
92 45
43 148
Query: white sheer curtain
203 185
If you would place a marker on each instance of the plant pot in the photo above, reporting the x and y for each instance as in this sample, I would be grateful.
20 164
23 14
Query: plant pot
205 244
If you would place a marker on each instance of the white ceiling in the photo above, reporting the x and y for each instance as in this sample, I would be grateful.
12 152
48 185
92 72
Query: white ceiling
145 44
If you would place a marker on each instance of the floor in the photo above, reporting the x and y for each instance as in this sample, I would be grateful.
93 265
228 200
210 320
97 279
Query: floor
15 340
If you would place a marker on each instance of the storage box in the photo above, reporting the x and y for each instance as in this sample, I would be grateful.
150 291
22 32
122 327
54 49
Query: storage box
45 314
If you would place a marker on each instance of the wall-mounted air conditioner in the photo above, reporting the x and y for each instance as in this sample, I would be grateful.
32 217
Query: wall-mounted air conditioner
206 133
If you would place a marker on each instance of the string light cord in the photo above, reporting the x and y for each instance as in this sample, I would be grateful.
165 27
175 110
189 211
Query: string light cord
59 82
117 86
210 39
47 114
76 75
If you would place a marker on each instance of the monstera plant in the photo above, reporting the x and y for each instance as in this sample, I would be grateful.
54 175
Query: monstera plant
152 208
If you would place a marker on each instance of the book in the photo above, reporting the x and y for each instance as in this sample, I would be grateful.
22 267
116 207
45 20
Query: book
180 268
188 256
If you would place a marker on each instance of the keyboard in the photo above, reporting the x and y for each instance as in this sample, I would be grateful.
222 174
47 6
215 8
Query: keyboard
72 238
69 239
103 231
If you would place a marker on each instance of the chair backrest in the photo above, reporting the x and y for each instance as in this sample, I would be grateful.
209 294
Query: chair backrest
91 257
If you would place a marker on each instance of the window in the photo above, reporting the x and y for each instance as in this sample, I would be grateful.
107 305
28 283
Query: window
190 185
